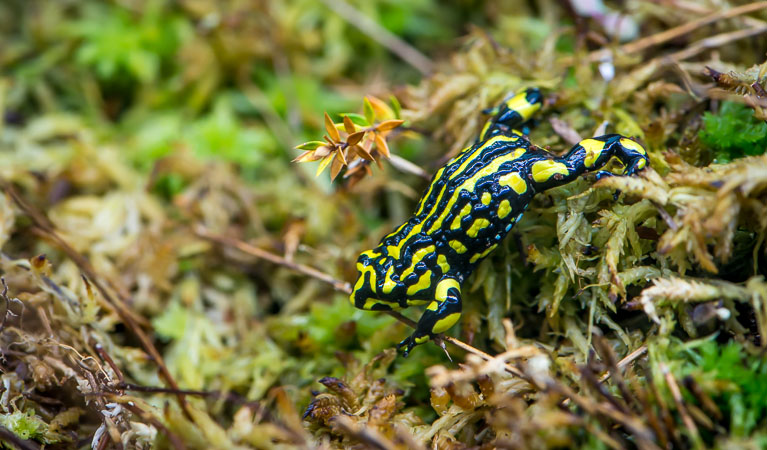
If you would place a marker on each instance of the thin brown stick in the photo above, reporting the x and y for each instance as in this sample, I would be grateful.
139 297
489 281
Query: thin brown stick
406 166
673 33
628 359
252 250
386 38
697 8
47 230
680 405
716 41
105 356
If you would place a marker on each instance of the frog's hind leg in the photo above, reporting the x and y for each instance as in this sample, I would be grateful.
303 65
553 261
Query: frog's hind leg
441 314
509 116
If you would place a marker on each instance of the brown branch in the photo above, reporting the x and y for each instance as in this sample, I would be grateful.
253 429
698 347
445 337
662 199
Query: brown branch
48 230
252 250
406 166
105 356
716 41
628 359
673 33
680 405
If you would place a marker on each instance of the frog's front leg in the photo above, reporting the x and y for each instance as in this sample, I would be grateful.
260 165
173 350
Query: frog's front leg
441 314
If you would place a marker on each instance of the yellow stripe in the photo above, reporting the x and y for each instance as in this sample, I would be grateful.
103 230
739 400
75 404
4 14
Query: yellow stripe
544 170
422 283
417 257
471 182
593 149
486 197
485 128
632 145
446 323
373 280
476 226
371 302
479 256
515 181
490 142
395 250
431 186
411 302
388 284
433 306
463 213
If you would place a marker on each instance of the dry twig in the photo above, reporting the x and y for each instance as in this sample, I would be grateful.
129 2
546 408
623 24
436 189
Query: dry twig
47 230
676 32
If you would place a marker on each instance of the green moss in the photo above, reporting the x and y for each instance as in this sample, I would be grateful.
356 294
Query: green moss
744 376
733 133
27 425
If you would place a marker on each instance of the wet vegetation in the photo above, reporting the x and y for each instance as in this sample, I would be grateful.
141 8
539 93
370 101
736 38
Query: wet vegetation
171 279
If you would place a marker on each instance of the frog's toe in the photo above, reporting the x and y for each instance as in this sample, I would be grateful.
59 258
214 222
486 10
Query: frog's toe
408 344
411 341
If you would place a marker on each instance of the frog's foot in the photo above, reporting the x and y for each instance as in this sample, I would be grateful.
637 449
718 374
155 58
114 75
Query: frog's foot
417 338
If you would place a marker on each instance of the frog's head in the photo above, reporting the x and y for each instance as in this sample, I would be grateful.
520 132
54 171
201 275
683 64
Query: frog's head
629 152
633 155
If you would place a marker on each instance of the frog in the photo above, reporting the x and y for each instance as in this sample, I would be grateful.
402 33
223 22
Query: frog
469 207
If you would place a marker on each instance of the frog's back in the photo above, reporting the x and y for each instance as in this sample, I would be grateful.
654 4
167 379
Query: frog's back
467 209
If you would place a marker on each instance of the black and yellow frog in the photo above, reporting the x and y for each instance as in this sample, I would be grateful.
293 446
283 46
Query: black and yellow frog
468 209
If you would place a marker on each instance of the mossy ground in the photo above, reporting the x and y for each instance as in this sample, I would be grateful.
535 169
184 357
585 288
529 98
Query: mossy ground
173 280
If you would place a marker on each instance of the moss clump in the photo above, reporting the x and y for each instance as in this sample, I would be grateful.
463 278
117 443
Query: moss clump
27 425
733 132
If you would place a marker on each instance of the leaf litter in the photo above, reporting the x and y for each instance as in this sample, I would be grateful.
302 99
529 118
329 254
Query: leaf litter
201 303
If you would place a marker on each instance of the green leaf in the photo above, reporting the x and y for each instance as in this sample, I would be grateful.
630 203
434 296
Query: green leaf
370 115
324 164
358 119
311 145
395 106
